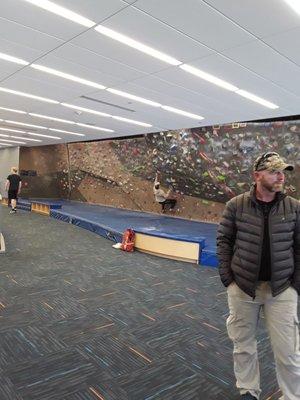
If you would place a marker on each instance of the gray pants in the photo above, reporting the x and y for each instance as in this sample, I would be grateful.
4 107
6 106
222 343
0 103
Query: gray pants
282 322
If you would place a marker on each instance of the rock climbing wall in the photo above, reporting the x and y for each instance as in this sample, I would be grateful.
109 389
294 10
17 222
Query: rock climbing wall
203 167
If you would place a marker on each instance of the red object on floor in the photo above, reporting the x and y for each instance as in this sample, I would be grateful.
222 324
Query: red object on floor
128 240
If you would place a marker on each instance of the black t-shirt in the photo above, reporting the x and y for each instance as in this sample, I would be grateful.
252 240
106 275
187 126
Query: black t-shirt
14 180
265 264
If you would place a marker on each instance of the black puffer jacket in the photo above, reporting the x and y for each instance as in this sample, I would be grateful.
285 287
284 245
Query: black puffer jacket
240 240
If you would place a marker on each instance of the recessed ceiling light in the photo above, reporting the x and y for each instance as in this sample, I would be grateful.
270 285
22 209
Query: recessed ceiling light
13 110
67 76
257 99
88 110
133 97
31 96
181 112
66 121
28 139
62 131
62 12
131 121
11 130
208 77
16 60
98 128
42 135
12 141
136 45
23 124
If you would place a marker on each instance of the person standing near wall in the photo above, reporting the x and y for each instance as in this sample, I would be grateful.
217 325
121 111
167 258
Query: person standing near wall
162 197
13 187
258 245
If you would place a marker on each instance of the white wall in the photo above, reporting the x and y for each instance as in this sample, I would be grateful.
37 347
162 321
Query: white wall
9 157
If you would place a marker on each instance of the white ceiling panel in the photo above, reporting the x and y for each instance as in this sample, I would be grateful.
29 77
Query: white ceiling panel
140 26
95 10
286 43
266 62
260 17
198 20
36 18
7 69
27 37
16 50
106 47
92 60
72 68
241 77
36 87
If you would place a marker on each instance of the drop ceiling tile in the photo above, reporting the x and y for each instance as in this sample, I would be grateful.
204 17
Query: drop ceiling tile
95 10
115 51
41 20
197 20
39 88
259 17
243 78
7 69
286 43
266 62
73 69
27 37
93 61
142 27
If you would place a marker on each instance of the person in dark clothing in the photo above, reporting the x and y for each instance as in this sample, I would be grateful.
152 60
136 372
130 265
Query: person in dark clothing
13 186
258 246
162 197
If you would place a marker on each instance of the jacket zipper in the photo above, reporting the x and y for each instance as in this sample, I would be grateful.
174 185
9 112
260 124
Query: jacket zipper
262 235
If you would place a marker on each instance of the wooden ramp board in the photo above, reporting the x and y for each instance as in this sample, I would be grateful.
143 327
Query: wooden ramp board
40 208
2 244
168 248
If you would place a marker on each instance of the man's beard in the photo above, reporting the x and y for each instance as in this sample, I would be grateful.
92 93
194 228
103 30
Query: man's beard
273 187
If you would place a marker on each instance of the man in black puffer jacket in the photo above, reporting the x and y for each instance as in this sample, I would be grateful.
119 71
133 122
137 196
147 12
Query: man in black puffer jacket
258 245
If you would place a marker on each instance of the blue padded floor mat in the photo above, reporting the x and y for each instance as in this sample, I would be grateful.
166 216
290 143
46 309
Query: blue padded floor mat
117 220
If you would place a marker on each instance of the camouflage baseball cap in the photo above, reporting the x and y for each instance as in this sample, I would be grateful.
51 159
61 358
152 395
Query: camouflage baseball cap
271 161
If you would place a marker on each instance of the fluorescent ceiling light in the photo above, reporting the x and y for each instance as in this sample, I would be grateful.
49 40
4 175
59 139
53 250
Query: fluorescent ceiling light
62 12
31 96
42 135
294 4
13 110
5 144
71 133
133 97
66 121
88 110
181 112
131 121
137 45
12 141
257 99
23 124
28 139
98 128
16 60
3 135
208 77
11 130
67 76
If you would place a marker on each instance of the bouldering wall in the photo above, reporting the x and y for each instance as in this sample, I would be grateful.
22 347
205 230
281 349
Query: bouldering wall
203 167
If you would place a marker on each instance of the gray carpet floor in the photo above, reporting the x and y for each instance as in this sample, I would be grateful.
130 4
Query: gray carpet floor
80 320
